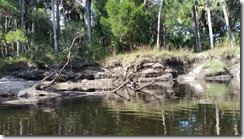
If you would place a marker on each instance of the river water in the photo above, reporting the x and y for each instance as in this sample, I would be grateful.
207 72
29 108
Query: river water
179 111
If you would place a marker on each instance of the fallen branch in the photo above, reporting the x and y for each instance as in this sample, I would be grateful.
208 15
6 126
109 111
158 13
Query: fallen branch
115 90
38 84
119 87
68 61
57 77
140 88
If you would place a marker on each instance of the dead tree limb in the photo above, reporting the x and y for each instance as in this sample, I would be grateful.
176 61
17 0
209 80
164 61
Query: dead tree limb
115 90
119 87
68 61
140 88
38 84
57 77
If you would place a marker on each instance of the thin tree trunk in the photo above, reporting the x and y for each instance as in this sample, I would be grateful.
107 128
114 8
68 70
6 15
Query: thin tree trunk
2 52
6 24
5 31
210 24
22 22
227 23
18 48
54 29
88 8
164 36
145 2
159 18
6 51
197 31
58 21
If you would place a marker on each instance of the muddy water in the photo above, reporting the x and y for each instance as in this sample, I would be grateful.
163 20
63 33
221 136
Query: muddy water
172 109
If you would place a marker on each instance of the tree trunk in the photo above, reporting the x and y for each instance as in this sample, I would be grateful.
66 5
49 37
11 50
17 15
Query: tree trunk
58 22
210 24
145 2
6 51
227 23
18 48
54 29
164 36
6 24
88 8
159 18
197 31
22 22
5 31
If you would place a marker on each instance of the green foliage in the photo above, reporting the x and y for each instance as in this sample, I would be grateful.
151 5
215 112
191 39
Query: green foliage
215 66
9 5
16 36
118 26
178 20
90 54
127 21
43 27
53 59
8 62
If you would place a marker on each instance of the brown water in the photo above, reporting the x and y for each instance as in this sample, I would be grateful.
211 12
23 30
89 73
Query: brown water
181 111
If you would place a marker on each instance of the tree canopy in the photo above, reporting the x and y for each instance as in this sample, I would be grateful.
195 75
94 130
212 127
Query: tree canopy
115 26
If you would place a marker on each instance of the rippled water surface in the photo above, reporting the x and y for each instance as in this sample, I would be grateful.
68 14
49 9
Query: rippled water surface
178 112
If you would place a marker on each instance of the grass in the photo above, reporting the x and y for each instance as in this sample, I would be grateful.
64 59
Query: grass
215 66
220 48
53 59
130 57
224 47
12 61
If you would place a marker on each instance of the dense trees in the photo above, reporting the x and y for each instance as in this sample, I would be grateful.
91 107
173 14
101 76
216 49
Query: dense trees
40 29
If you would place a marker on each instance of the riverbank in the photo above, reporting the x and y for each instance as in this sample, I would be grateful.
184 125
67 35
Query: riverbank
220 64
143 67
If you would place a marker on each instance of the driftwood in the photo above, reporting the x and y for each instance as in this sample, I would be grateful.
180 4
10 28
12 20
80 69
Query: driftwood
40 86
136 88
125 77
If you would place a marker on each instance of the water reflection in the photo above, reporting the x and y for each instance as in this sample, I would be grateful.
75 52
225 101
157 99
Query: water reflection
157 110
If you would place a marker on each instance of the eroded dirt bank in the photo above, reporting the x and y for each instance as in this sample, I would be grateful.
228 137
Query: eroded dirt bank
81 79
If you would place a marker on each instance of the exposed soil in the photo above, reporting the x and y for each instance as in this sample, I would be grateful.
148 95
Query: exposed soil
82 79
182 68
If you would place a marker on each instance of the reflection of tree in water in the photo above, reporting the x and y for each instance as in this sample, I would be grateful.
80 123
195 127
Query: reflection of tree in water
149 112
204 119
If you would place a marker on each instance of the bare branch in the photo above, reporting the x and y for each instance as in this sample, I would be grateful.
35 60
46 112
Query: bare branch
57 77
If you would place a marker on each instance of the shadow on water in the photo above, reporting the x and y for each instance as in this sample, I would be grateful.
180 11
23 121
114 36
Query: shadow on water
161 109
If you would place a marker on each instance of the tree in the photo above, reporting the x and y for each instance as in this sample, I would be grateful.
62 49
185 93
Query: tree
128 22
197 31
159 17
145 2
178 24
16 37
22 3
54 29
58 22
88 10
227 23
209 23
